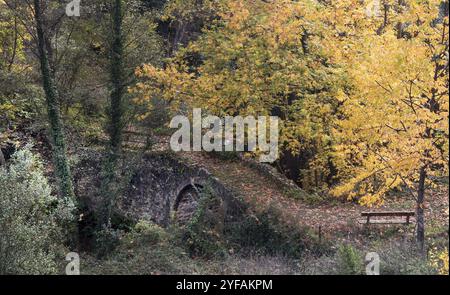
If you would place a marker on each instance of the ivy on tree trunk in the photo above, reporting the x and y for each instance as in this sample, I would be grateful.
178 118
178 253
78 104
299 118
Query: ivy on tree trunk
62 168
117 77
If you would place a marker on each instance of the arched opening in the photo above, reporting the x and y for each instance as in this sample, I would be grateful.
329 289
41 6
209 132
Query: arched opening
186 203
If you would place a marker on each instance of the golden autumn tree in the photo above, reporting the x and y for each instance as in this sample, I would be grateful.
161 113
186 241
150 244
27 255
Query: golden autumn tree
395 132
256 58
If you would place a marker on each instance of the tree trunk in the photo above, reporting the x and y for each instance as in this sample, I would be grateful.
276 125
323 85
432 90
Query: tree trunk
109 184
2 158
117 80
56 129
420 235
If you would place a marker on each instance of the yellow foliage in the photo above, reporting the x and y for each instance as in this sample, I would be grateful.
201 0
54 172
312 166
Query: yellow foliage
254 60
439 260
396 115
365 91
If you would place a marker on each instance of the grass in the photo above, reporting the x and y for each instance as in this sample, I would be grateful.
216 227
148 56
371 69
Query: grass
137 255
150 250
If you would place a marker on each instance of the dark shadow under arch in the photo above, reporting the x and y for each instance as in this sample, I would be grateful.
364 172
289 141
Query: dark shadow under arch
185 189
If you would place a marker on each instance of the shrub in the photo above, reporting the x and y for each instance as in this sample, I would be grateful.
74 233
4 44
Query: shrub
439 261
267 232
395 259
106 240
403 260
203 234
349 261
146 249
147 233
32 220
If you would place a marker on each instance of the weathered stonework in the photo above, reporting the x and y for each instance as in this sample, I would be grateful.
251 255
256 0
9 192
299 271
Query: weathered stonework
156 188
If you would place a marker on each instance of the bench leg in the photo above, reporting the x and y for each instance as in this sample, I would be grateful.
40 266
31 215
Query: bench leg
368 220
407 219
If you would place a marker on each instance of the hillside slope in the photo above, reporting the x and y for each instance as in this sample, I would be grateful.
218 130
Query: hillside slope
335 218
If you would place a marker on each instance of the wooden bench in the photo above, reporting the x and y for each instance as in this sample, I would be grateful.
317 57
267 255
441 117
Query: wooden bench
400 220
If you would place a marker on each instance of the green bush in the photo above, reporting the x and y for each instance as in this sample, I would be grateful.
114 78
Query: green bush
347 260
106 240
147 233
203 234
403 260
267 233
32 220
146 249
350 261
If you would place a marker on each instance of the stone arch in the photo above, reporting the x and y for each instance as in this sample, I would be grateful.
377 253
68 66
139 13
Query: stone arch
186 202
185 189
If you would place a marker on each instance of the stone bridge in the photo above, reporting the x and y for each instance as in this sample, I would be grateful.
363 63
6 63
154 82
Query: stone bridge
161 188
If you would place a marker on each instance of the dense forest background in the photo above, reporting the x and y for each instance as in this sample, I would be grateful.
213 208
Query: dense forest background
361 90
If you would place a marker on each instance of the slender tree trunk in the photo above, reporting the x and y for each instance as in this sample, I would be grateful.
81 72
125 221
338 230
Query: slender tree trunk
14 50
305 42
386 8
117 76
420 234
117 80
2 158
59 148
